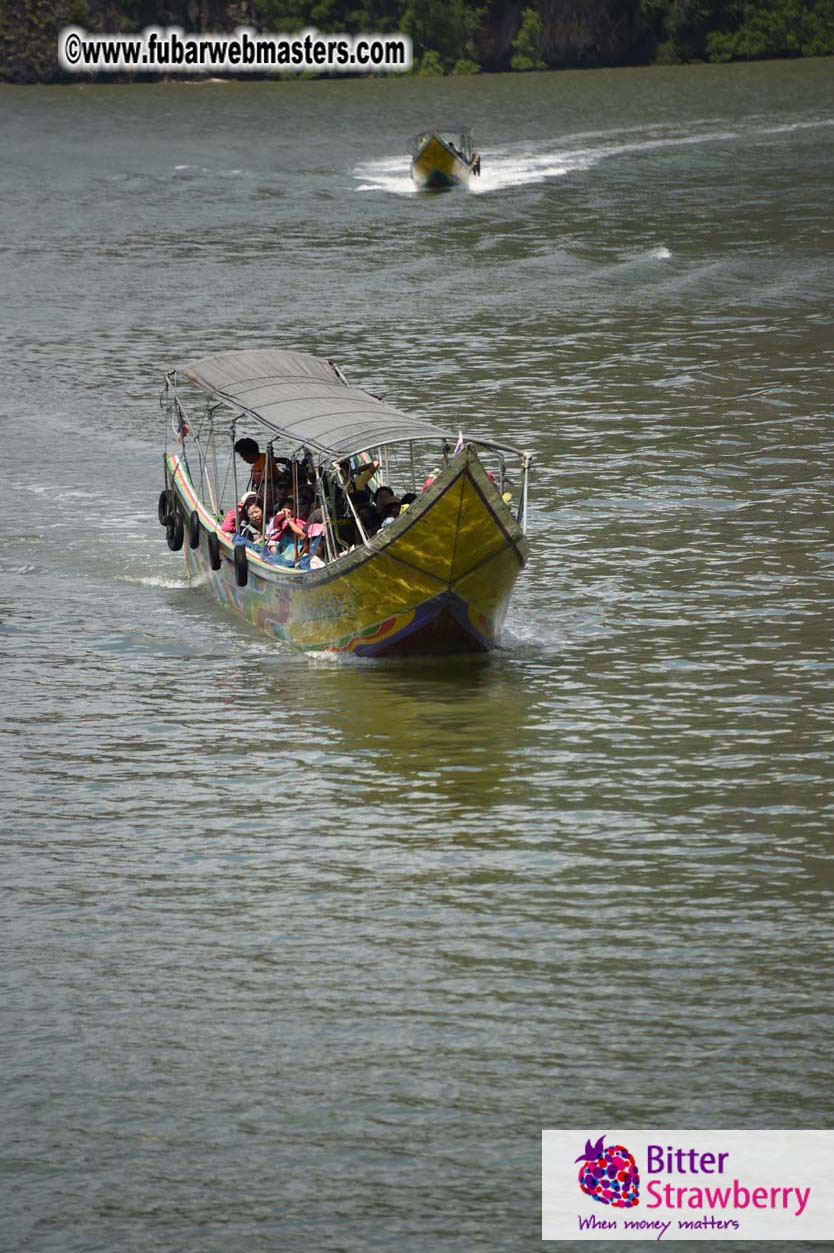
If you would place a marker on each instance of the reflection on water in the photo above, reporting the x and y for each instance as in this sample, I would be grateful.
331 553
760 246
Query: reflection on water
410 723
306 952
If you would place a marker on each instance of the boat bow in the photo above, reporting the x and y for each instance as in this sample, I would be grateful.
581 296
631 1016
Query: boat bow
437 580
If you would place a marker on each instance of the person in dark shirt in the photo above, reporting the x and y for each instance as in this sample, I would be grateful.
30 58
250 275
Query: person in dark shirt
248 451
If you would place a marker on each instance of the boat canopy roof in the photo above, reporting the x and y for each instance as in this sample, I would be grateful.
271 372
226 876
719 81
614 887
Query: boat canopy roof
306 399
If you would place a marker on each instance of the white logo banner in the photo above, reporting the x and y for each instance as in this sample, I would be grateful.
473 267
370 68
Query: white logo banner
687 1185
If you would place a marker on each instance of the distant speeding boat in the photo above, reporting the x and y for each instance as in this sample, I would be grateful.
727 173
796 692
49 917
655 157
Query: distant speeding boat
435 578
443 157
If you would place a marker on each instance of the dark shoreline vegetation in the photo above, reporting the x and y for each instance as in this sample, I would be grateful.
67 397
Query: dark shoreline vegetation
450 36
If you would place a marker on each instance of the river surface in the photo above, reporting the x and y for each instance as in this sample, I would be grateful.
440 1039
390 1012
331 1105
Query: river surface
303 954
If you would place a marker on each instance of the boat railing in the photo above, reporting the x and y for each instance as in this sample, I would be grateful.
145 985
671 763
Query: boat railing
407 464
460 140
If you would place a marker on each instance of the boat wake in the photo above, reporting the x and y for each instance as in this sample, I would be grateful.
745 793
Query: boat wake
528 164
501 170
326 659
522 166
519 168
388 174
159 581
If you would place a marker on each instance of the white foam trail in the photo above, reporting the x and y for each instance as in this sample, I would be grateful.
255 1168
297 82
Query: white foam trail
797 126
325 659
389 174
158 581
523 166
661 253
527 164
502 169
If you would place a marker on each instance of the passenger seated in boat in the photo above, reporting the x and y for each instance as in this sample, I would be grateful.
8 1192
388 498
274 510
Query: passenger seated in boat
357 480
286 480
282 528
306 501
361 500
229 524
307 470
314 550
248 451
370 520
387 506
268 500
316 528
384 497
406 499
278 499
252 527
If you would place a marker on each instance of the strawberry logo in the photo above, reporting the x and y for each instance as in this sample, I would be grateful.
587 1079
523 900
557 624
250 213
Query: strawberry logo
610 1175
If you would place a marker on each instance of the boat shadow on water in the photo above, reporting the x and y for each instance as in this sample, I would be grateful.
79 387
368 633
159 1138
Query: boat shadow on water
433 729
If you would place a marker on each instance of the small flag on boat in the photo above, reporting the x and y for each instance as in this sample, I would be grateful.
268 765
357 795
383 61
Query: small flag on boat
179 425
459 444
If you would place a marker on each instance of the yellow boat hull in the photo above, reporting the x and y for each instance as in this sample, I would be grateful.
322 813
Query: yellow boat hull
438 580
436 166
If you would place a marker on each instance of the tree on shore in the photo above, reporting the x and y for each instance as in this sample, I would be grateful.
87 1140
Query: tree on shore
528 47
454 36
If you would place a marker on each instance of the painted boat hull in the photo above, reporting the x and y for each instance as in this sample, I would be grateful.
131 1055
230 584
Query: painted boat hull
438 580
436 167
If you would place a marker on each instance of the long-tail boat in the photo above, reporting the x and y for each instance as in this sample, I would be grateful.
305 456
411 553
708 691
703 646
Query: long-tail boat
436 579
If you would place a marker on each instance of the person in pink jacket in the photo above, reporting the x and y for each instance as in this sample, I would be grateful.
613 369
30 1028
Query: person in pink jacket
230 521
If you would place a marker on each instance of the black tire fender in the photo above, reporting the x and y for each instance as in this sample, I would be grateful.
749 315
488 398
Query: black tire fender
194 530
165 506
174 532
241 565
214 551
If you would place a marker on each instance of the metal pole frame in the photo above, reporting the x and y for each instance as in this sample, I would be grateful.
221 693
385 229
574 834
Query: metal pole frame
345 485
329 542
526 462
206 483
232 432
213 449
295 509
